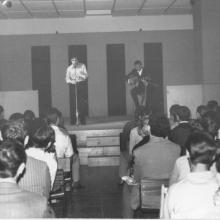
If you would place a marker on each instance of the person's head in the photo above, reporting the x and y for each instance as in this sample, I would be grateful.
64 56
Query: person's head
12 159
14 130
141 112
183 113
173 112
74 60
16 116
212 105
29 115
43 138
159 125
200 111
201 147
209 122
138 65
1 112
53 116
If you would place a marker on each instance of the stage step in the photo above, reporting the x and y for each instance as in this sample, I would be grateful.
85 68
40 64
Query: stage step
98 161
102 141
85 152
82 135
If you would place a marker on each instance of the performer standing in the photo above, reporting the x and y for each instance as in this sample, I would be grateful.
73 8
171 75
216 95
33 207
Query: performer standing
77 75
138 79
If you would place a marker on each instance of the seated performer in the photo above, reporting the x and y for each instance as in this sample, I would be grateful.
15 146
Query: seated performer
138 79
77 75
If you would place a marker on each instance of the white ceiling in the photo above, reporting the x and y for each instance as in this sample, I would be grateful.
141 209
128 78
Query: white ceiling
81 8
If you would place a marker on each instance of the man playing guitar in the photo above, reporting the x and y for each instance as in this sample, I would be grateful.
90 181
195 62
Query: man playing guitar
138 79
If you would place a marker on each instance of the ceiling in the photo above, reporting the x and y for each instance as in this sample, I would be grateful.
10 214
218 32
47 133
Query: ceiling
81 8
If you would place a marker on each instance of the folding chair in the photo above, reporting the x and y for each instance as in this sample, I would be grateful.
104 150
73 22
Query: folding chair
57 195
162 200
150 193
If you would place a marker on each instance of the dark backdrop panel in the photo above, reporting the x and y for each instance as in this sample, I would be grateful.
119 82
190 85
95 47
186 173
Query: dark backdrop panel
116 79
80 51
153 62
41 76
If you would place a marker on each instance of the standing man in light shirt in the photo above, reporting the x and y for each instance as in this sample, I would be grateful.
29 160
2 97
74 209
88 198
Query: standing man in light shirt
77 75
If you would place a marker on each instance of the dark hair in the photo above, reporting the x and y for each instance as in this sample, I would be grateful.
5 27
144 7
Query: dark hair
173 111
201 109
42 137
29 115
16 116
15 130
212 105
12 155
209 122
52 115
1 109
201 147
184 113
137 62
141 111
159 125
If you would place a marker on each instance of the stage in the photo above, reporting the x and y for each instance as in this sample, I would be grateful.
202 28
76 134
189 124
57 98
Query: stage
98 141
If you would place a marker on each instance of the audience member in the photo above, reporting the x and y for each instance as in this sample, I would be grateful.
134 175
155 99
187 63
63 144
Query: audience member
181 132
64 149
14 201
140 112
2 117
41 147
200 111
156 158
209 123
36 177
212 105
173 115
193 197
16 116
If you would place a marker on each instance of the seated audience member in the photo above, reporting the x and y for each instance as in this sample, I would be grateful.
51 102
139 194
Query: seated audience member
29 117
36 177
41 147
212 105
140 112
173 115
64 148
181 167
209 123
193 197
16 116
156 158
14 201
181 132
137 133
2 116
200 111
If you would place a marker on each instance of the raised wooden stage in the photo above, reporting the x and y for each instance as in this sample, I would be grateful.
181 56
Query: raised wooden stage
98 140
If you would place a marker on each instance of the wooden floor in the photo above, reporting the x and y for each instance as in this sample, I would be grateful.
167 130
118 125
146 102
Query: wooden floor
101 198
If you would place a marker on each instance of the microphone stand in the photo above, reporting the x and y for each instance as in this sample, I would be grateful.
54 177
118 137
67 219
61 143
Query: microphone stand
77 112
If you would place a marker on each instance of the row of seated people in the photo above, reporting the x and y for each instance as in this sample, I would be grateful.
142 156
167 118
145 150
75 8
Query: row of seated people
152 146
47 147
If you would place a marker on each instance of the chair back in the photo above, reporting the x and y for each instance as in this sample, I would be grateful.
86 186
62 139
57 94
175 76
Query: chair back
151 192
162 199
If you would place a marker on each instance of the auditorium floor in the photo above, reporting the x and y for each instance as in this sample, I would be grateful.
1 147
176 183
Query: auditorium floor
101 198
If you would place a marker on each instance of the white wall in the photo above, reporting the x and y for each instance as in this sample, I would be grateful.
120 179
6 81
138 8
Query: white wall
95 24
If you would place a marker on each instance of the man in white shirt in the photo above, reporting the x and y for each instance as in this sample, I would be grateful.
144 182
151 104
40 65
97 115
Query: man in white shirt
77 75
64 149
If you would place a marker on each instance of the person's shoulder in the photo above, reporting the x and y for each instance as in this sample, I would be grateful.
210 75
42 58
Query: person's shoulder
37 162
